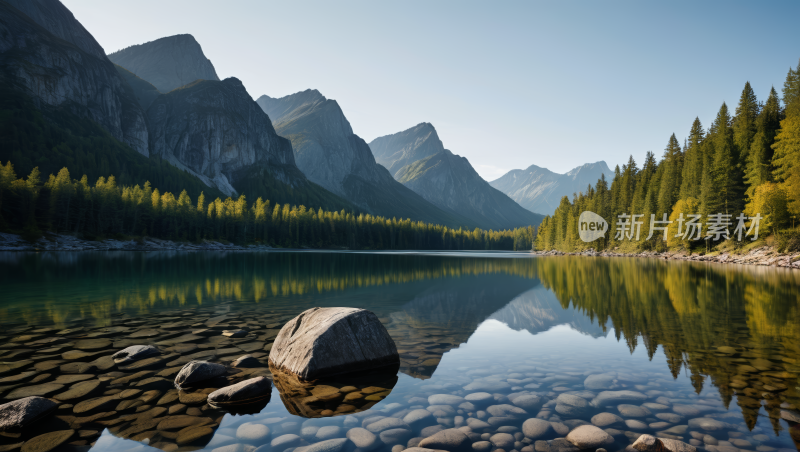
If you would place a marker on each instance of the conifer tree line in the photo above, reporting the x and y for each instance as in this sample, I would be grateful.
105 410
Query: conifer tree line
106 210
747 161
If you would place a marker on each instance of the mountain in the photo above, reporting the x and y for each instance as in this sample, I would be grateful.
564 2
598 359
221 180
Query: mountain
214 130
330 154
540 190
48 56
447 180
400 149
145 92
450 183
167 63
538 310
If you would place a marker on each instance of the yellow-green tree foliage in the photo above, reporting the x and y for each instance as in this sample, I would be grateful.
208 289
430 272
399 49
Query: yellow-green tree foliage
771 202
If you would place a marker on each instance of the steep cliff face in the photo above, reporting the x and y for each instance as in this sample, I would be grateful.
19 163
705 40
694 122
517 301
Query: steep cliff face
449 182
400 149
58 20
214 130
145 92
54 60
331 155
167 63
540 190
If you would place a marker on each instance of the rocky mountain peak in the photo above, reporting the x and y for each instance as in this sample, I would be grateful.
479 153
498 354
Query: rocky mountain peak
167 63
58 20
400 149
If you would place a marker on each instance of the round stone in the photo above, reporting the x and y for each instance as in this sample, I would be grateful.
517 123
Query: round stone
479 398
386 424
503 440
284 442
329 432
482 446
529 402
633 411
669 417
445 399
48 441
707 424
488 386
599 382
92 344
685 410
419 417
331 445
589 437
362 438
451 439
253 432
604 420
535 428
396 436
633 424
35 390
78 390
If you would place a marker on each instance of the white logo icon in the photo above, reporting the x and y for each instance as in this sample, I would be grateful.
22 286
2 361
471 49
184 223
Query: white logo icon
591 226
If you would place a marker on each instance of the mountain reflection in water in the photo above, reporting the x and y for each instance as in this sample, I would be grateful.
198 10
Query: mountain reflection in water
736 328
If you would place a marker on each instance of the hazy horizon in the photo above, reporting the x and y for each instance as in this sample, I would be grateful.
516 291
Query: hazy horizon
507 86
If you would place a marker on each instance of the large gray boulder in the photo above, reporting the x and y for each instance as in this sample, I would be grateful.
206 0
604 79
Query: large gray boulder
24 412
328 341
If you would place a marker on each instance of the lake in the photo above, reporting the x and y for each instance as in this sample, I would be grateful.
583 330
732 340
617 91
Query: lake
705 353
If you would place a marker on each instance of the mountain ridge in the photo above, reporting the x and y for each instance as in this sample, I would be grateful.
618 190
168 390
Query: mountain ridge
540 190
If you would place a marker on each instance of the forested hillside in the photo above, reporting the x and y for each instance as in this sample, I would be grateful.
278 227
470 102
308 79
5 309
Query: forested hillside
747 161
64 205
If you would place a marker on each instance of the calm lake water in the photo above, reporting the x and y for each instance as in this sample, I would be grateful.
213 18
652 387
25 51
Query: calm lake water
705 353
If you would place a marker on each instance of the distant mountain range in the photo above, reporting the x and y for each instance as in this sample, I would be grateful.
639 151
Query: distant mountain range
540 190
164 101
330 154
447 180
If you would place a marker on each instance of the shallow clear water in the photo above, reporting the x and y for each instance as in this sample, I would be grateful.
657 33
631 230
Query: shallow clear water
710 353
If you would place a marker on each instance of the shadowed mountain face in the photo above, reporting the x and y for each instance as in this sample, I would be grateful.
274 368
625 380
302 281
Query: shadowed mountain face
447 180
540 190
50 57
330 154
214 130
167 63
406 147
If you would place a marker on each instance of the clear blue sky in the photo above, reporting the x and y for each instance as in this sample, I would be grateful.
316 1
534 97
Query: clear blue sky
506 84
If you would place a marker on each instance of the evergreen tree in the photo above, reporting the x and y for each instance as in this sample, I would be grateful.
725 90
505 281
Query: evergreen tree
744 124
724 194
669 190
759 162
692 177
791 87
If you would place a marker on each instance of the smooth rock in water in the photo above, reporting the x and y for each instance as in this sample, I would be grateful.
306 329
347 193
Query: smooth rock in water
535 428
234 333
386 424
633 424
284 442
477 424
599 381
331 445
197 371
633 411
328 341
431 430
791 416
482 446
35 390
506 410
669 417
78 390
395 436
419 417
24 412
445 399
362 438
529 402
674 445
503 440
589 437
648 443
253 432
230 447
604 420
244 392
707 424
452 439
134 353
479 398
685 410
246 361
561 445
488 386
48 441
615 397
328 432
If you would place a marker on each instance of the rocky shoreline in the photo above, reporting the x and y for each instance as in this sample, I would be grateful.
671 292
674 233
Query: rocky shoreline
63 242
762 256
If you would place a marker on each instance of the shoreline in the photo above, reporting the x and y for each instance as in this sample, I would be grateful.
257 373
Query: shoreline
63 242
764 256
